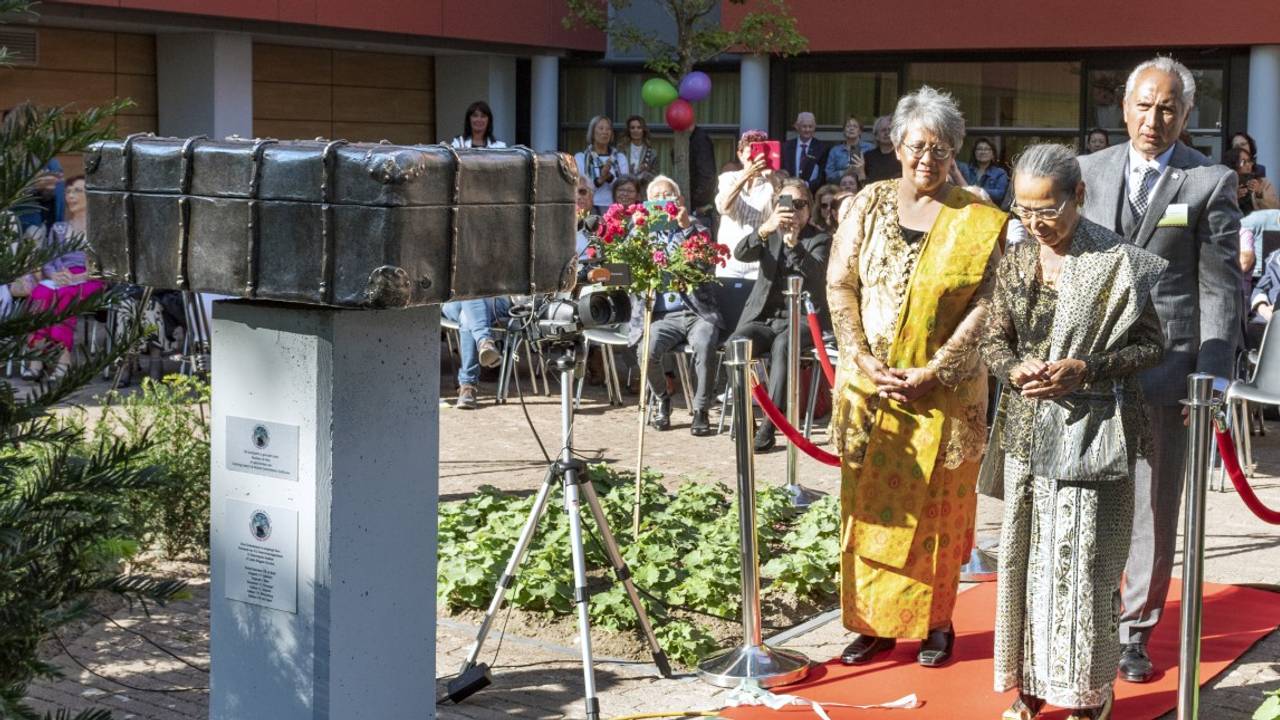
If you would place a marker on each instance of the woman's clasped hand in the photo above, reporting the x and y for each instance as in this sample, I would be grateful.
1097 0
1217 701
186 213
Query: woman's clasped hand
1041 380
897 384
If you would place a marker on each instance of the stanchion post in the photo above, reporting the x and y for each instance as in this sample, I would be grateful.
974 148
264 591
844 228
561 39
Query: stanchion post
1200 406
753 662
800 497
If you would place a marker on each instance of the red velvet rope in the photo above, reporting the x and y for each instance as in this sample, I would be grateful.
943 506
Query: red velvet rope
815 331
780 421
1227 449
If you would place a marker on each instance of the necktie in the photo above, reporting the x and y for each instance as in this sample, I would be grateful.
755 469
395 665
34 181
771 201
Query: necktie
800 166
1141 193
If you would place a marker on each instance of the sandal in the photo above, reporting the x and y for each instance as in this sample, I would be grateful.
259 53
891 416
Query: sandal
1093 713
1026 707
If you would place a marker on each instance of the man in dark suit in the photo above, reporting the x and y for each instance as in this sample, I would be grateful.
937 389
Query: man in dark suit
1171 200
784 245
804 156
692 318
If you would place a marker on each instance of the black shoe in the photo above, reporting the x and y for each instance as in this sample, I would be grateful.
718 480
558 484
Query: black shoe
1135 664
662 414
865 649
765 439
701 425
936 649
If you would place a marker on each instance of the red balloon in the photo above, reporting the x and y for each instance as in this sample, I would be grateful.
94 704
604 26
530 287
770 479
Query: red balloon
680 115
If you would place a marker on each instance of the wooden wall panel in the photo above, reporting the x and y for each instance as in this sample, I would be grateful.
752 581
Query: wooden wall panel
141 89
82 50
354 104
290 63
55 87
302 92
136 54
292 129
292 101
398 133
383 70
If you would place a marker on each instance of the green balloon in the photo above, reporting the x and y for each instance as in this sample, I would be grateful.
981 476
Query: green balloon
658 92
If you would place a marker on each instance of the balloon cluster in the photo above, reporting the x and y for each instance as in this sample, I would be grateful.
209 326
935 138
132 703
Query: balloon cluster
660 93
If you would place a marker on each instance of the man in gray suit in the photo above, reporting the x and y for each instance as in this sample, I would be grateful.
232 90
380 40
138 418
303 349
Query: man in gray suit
1165 197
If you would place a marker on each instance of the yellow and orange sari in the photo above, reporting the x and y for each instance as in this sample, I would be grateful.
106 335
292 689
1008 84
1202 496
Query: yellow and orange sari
908 470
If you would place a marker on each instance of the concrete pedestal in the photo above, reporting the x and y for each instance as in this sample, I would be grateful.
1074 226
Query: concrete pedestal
325 465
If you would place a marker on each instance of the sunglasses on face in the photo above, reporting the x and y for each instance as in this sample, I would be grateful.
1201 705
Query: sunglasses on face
799 204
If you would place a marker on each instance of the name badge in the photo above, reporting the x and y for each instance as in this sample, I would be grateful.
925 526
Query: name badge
1174 216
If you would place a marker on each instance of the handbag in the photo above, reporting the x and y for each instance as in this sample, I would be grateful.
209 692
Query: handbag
1079 437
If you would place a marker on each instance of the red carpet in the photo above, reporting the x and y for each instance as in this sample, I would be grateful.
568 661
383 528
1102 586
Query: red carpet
1234 619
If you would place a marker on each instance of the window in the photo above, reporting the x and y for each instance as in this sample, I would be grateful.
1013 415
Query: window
1007 94
834 96
1204 124
584 93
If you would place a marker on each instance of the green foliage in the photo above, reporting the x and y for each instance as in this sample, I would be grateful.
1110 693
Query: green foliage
1270 708
63 504
174 516
768 29
686 560
812 567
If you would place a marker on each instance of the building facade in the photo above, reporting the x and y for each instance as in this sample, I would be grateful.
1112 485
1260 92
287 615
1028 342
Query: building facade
405 70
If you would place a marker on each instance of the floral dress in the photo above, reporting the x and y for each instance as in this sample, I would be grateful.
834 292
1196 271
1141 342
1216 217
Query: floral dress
1063 544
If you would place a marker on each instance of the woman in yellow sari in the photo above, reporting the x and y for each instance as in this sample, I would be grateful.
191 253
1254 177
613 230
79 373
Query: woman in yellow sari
909 283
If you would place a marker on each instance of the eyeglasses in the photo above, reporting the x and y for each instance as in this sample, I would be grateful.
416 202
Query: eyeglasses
939 152
1047 214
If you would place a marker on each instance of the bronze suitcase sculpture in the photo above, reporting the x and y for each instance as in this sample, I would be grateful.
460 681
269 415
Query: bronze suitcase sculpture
330 223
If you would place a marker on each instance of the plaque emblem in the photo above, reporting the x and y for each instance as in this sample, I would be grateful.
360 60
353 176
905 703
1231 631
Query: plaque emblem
260 525
261 437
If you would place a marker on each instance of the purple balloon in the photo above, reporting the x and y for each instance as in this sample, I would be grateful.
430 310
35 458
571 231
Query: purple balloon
695 86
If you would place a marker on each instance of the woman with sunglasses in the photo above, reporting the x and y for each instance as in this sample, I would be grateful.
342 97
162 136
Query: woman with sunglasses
1072 324
911 272
825 204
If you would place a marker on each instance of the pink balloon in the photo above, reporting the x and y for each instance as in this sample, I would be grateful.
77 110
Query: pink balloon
680 115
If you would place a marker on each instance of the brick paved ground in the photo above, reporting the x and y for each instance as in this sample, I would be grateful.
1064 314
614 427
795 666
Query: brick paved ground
539 680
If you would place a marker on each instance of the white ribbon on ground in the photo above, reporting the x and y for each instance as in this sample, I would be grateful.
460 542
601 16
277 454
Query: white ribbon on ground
750 694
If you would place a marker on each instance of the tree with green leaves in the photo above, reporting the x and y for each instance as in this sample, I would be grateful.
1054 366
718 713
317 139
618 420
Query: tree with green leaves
699 38
63 500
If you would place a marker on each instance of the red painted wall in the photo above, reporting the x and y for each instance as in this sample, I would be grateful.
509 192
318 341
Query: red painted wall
862 26
520 22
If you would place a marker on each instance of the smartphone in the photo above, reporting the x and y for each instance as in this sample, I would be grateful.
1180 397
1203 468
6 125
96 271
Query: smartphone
770 150
784 201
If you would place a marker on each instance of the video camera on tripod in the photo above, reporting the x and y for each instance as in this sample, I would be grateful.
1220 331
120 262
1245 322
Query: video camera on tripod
564 318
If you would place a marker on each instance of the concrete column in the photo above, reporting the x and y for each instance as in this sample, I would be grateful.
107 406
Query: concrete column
204 84
754 93
544 104
1264 104
325 466
463 79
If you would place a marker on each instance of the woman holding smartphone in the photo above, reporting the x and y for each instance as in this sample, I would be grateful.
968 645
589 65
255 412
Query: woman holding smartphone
744 200
601 163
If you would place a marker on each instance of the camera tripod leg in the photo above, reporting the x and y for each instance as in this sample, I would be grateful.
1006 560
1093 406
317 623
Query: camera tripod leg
573 508
513 564
623 574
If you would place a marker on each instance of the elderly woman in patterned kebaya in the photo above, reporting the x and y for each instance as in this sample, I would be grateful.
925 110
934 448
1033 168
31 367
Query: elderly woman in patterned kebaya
912 266
1072 323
